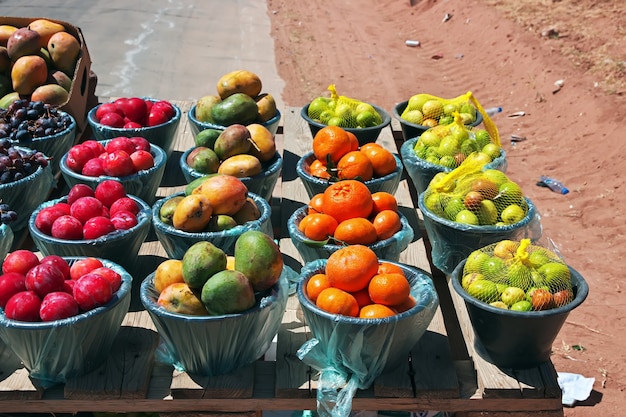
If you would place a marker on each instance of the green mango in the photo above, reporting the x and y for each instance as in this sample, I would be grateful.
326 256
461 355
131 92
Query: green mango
236 109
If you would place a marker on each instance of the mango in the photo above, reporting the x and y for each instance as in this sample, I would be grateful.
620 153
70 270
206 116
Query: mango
221 222
266 107
226 194
166 212
196 183
227 292
263 142
168 272
240 81
207 137
258 257
61 78
181 299
233 140
249 212
52 94
241 166
5 85
5 61
46 28
28 73
7 99
5 33
238 108
200 262
203 108
192 213
206 161
23 42
64 49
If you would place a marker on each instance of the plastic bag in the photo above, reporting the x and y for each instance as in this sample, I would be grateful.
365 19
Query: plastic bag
343 111
518 275
471 207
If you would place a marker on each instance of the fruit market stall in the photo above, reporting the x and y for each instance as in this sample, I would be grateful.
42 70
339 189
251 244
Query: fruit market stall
443 373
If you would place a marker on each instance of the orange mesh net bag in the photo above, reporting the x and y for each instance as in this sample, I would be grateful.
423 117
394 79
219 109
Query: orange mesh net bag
518 275
343 111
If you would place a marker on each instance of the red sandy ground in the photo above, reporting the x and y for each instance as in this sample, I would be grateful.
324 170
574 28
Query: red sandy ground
572 135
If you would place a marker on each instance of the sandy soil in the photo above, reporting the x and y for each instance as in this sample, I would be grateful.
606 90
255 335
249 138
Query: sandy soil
573 134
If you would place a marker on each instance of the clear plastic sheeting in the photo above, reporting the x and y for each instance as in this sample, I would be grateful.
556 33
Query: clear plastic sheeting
350 353
217 345
56 351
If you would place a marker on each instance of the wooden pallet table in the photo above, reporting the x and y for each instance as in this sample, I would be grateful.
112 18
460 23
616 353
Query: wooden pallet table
444 372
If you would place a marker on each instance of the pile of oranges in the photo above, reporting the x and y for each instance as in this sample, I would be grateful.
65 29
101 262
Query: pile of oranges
350 214
356 284
339 157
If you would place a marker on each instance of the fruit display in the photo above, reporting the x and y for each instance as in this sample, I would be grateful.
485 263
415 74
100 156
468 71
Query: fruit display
343 111
24 120
476 197
50 288
238 150
89 214
208 282
518 275
17 162
448 145
355 283
212 203
119 157
347 213
38 61
428 110
134 113
238 100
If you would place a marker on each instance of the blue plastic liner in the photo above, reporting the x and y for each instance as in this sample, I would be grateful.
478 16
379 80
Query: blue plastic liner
452 241
350 352
389 249
422 172
176 242
56 351
6 240
217 345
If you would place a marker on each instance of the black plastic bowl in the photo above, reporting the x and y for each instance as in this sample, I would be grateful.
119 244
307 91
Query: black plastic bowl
516 339
412 130
363 134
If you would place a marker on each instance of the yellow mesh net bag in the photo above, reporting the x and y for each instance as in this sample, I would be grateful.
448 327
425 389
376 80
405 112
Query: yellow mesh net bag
518 275
450 139
343 111
475 196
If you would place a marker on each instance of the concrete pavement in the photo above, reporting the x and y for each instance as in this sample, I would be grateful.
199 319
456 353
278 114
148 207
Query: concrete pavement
174 49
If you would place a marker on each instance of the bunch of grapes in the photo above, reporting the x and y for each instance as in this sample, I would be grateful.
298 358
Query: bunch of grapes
6 214
17 162
25 120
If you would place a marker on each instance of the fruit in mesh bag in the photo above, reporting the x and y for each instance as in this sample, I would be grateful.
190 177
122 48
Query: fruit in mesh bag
518 276
428 110
486 198
343 111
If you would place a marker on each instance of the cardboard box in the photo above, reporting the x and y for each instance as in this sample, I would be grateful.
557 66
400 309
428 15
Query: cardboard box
82 94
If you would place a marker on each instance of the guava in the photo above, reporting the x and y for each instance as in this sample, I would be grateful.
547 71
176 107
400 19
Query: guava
483 290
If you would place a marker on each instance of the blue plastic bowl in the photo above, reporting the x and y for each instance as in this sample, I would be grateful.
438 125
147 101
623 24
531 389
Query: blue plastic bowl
314 185
390 248
412 130
452 242
363 134
176 242
217 345
53 352
197 125
121 246
371 345
422 172
143 184
162 135
6 240
54 146
516 339
262 184
24 195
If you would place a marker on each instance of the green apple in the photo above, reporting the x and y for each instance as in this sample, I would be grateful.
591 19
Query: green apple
466 217
468 146
467 279
448 161
446 120
557 275
483 290
449 146
433 203
487 213
454 206
450 108
510 192
538 257
512 214
505 249
430 138
512 295
414 116
482 158
498 177
492 150
417 101
523 305
474 261
519 275
482 137
432 109
499 304
494 268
